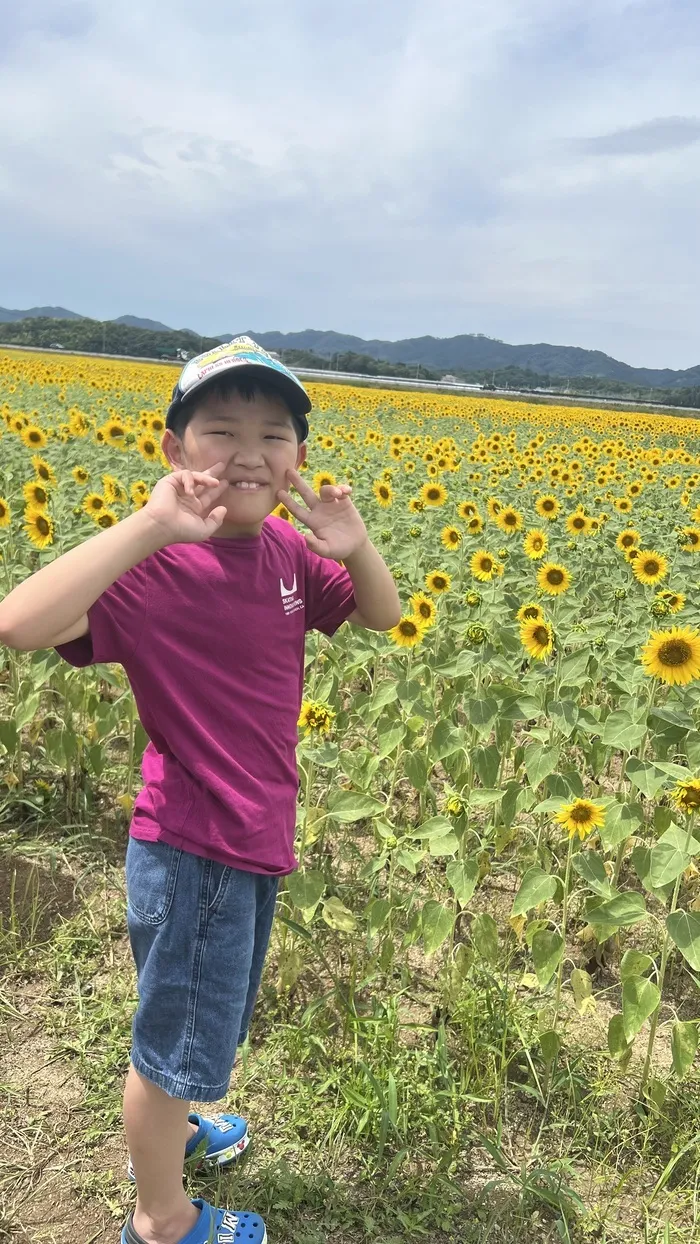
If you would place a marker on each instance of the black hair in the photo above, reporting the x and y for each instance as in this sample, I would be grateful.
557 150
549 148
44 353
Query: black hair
224 387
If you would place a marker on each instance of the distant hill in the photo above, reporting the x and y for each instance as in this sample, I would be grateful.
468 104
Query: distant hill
53 313
470 356
474 352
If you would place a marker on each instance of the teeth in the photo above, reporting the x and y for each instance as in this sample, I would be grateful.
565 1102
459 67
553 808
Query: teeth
246 484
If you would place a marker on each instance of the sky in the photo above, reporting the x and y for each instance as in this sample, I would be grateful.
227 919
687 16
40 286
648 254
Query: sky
527 169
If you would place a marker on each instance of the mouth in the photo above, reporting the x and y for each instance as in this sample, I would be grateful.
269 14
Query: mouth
247 485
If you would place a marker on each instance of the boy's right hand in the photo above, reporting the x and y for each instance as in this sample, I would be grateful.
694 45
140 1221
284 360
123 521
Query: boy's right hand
181 505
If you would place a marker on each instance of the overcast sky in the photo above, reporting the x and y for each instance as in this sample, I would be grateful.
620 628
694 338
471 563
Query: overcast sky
528 169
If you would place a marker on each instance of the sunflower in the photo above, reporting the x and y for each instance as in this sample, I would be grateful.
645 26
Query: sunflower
530 612
35 494
553 579
408 631
38 527
494 507
315 717
650 567
321 478
686 795
80 474
451 537
581 817
467 509
424 609
384 494
438 582
547 507
112 489
94 503
281 511
5 513
535 544
33 437
114 432
673 656
674 600
578 524
415 506
106 518
44 470
483 565
433 494
147 446
509 520
627 539
537 637
692 540
622 504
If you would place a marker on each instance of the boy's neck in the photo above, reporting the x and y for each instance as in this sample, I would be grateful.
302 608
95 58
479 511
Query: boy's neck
238 531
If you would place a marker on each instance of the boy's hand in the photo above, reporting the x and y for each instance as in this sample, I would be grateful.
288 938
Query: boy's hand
336 527
181 505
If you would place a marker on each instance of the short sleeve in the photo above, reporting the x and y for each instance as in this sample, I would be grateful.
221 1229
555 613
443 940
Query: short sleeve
330 596
116 619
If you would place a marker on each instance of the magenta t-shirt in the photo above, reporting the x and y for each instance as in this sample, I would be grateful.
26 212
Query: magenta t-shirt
211 636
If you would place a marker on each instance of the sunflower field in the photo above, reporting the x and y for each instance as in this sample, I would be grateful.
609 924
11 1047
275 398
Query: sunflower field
481 1006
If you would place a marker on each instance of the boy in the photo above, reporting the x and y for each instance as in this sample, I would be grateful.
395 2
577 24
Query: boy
205 598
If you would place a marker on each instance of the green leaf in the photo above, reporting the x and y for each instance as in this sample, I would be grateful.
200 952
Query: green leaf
338 916
435 827
590 867
640 998
349 805
565 714
582 987
436 925
679 839
390 738
550 1044
487 762
634 963
8 735
536 887
574 666
416 768
622 731
617 1042
484 934
684 1044
447 845
305 889
666 863
540 761
646 777
385 693
622 911
482 798
684 929
463 876
622 820
445 740
27 710
326 755
481 714
377 915
547 950
461 665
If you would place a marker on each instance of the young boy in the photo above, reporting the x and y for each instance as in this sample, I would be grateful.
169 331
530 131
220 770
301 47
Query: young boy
205 598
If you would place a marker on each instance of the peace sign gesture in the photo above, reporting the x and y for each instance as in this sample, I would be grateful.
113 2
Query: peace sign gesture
336 528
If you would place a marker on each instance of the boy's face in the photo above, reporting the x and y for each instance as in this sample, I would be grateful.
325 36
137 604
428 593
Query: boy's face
257 443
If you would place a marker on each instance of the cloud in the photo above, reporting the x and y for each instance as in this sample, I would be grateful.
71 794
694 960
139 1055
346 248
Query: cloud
388 170
648 138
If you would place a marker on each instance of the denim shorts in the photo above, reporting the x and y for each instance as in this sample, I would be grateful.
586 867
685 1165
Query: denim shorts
199 932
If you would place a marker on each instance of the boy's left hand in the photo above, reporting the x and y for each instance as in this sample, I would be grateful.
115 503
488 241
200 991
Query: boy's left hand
336 527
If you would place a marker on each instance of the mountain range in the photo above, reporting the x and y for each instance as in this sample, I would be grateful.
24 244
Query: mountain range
468 352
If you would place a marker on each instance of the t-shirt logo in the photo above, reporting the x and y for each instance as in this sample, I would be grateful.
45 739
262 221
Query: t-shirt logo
290 600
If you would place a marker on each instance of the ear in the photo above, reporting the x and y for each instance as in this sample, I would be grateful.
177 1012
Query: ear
301 455
173 449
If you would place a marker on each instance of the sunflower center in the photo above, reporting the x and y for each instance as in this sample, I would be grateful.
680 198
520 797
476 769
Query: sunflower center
675 652
509 519
541 635
627 541
555 577
42 526
579 523
651 566
384 492
425 609
532 612
408 628
438 581
537 544
433 494
548 506
581 813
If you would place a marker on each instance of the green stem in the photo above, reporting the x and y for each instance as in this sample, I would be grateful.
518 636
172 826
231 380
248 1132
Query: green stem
662 967
310 774
564 915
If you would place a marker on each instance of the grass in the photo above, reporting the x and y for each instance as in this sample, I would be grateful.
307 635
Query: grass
386 1105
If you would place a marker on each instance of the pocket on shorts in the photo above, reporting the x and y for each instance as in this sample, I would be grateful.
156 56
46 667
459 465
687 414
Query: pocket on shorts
151 878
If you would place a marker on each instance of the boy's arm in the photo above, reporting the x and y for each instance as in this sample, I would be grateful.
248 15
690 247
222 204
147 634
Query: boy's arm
378 604
50 607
